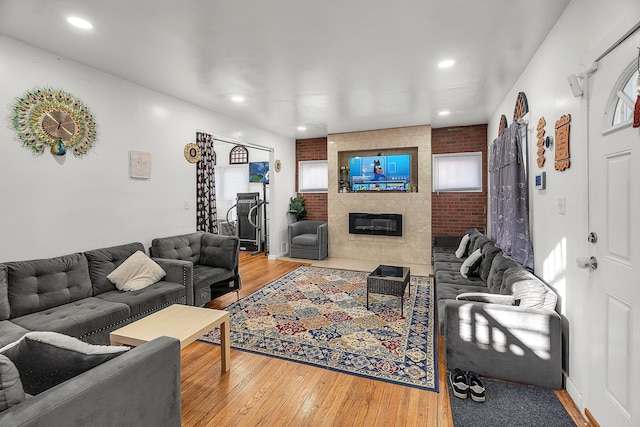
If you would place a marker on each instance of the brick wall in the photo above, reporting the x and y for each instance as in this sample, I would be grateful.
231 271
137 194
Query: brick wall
313 149
453 213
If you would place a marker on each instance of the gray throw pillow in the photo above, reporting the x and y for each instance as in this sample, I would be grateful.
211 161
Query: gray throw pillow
11 391
46 359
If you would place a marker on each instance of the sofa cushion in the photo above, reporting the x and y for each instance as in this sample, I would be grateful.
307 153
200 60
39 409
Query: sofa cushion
219 251
471 264
41 284
452 290
204 275
104 261
5 309
149 299
489 252
499 265
448 265
186 247
136 273
78 318
446 257
463 247
305 240
11 391
454 277
46 359
479 243
528 290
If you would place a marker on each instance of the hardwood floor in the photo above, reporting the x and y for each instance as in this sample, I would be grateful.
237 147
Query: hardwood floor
265 391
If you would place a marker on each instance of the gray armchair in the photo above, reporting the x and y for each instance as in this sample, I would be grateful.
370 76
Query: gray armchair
308 239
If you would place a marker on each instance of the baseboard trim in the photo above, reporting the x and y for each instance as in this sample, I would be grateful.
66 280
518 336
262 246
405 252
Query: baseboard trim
592 421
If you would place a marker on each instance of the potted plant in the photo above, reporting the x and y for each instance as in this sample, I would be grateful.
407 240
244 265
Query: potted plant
296 208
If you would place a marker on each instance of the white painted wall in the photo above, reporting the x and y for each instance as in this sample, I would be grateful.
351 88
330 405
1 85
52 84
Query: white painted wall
584 31
53 206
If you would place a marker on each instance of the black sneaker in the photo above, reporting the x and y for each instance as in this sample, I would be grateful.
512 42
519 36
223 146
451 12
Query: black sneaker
459 383
476 387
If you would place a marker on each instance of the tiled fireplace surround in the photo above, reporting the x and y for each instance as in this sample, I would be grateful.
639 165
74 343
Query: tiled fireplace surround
414 246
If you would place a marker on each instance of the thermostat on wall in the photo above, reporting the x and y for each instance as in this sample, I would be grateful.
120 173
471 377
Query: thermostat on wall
541 181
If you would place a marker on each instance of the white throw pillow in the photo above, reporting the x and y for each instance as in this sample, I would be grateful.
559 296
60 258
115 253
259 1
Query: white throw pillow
136 272
471 263
462 248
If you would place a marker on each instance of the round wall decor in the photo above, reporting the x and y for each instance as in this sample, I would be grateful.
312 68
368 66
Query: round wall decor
278 165
53 118
192 153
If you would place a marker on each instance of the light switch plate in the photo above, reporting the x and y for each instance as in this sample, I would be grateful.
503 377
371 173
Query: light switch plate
562 205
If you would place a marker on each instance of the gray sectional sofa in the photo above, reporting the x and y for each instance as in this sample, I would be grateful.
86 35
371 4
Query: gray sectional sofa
71 294
500 321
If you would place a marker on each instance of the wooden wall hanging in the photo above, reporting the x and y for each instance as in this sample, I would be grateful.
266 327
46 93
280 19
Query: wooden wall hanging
239 155
540 135
503 125
563 128
522 106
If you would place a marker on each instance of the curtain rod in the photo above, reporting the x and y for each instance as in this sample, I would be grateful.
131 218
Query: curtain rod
237 142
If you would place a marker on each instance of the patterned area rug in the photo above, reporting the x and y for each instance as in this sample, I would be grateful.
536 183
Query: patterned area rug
319 316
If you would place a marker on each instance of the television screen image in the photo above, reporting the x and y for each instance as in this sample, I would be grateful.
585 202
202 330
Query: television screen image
259 172
380 173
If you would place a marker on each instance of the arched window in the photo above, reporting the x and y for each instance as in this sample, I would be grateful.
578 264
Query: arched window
622 101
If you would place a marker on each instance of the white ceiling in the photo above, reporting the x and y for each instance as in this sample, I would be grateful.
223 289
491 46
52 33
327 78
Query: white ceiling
331 65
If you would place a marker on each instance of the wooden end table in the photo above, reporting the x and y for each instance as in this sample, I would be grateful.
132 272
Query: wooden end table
183 322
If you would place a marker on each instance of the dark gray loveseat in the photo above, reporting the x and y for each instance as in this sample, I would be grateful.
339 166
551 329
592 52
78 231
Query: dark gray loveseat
501 321
212 258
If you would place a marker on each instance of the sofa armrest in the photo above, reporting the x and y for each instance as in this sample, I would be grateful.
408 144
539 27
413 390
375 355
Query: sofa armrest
140 387
513 343
178 271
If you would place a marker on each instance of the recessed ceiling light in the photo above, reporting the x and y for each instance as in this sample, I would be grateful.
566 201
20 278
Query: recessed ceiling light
444 113
79 22
302 128
446 63
237 98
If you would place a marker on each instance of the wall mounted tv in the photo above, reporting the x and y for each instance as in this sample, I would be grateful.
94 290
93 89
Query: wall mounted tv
380 173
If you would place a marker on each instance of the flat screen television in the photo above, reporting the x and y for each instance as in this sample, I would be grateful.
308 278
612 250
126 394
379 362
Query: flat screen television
380 173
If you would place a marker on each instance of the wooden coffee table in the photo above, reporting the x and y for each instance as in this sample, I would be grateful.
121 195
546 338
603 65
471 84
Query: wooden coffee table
183 322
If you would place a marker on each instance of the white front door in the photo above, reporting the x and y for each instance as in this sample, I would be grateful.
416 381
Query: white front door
614 215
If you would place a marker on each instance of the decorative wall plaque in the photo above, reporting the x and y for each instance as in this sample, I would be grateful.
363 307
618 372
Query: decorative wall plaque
540 135
140 164
563 128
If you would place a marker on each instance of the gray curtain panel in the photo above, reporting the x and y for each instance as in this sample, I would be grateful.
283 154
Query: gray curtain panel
206 212
509 201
